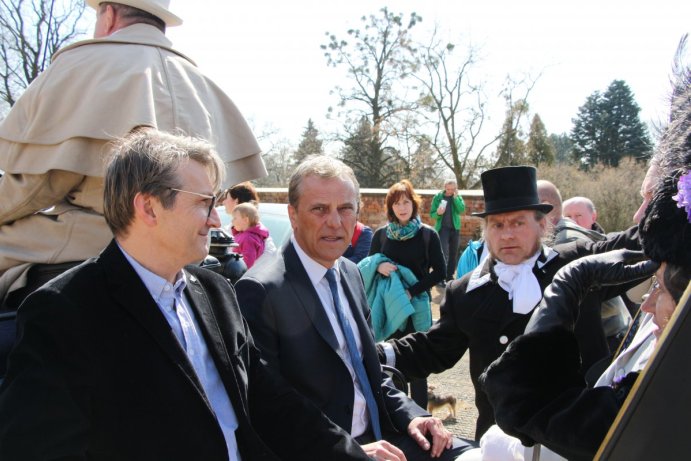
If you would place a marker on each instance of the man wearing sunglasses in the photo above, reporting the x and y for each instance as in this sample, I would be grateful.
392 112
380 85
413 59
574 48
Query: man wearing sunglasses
139 354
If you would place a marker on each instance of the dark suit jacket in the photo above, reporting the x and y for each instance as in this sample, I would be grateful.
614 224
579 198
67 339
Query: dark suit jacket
483 322
97 373
290 327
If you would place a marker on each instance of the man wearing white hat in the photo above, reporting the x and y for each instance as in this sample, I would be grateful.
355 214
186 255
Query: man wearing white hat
54 140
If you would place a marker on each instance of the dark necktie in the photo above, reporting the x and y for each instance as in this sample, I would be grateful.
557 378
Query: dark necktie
355 358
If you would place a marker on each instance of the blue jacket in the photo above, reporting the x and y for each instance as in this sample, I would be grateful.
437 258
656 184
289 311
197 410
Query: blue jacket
470 258
388 299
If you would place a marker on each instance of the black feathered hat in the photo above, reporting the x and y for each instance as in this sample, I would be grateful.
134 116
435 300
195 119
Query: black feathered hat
511 188
665 230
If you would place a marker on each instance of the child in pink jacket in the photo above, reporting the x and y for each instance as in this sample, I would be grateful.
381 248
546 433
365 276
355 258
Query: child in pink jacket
248 232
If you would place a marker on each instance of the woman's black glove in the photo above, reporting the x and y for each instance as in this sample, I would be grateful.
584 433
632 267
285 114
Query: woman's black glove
560 303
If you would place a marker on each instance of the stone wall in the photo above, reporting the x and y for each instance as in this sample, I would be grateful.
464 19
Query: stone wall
373 211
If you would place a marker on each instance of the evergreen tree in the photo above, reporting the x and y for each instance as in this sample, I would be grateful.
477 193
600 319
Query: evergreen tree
587 131
511 149
309 145
539 148
608 128
369 170
624 134
563 147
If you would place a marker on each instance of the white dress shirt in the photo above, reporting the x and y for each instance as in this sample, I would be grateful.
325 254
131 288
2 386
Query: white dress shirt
316 273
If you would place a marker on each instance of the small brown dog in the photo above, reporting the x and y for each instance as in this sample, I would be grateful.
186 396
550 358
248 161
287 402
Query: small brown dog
435 401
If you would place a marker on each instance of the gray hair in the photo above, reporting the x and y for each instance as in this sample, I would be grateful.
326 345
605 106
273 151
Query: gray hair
450 181
132 15
323 167
146 161
582 200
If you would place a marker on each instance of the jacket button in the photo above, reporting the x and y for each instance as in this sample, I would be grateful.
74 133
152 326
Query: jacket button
503 339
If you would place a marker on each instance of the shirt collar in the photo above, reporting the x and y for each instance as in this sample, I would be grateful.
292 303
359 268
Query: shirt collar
547 254
315 271
161 291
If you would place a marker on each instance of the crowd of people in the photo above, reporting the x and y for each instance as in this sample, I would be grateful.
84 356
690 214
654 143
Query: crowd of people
137 352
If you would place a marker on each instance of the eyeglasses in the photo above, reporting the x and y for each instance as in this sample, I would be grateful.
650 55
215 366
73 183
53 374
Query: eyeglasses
211 198
654 287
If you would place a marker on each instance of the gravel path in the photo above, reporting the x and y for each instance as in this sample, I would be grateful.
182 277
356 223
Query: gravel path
455 381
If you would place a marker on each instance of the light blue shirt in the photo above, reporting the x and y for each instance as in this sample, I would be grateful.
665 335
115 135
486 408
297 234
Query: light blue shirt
173 304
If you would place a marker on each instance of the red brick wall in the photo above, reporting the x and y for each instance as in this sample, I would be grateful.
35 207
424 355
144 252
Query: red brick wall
373 211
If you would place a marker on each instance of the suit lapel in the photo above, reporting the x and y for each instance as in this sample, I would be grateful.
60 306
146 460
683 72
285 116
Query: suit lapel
131 294
207 321
217 346
307 296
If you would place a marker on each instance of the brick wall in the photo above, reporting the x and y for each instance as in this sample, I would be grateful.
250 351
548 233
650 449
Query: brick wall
373 211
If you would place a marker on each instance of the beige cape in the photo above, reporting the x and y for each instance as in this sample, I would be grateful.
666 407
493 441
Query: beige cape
93 92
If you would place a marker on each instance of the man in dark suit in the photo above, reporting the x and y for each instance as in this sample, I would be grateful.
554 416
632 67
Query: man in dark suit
308 312
486 309
137 355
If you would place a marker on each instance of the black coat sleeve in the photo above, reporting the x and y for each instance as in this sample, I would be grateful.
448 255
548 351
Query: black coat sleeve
422 353
45 397
539 396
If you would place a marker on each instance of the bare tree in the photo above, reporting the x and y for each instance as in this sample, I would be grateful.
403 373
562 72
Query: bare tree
30 33
456 108
511 149
418 160
378 59
279 162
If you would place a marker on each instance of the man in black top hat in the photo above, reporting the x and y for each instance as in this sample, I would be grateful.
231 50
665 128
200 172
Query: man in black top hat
487 308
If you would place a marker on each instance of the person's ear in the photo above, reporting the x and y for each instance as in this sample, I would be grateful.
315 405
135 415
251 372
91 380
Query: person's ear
543 225
110 19
293 215
145 208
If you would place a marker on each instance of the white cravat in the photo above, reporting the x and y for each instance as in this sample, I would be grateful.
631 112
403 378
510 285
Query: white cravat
520 283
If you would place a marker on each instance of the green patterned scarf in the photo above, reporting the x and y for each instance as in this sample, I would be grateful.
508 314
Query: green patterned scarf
395 231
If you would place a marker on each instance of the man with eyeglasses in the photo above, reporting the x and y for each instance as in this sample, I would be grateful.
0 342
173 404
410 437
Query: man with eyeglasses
139 354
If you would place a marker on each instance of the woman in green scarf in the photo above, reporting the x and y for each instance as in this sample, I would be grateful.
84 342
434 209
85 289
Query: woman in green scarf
407 242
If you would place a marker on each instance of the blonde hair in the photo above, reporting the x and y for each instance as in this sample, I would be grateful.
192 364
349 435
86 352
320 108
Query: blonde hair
249 211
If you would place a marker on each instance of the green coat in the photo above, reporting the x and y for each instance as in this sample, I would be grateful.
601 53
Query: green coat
458 209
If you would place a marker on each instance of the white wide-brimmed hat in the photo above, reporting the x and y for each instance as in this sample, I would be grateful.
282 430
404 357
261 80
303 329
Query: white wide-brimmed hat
158 8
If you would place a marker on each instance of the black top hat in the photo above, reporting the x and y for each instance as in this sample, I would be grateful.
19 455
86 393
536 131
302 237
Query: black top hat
511 188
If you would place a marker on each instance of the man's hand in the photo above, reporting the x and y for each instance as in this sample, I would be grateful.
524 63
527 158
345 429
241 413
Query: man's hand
383 451
386 268
441 438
